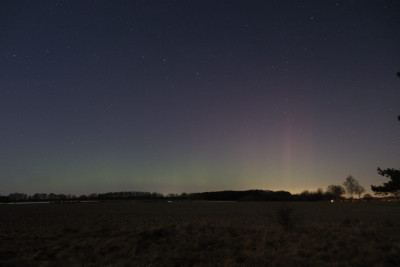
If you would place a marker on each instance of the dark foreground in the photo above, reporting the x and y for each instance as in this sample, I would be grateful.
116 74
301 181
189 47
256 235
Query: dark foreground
200 233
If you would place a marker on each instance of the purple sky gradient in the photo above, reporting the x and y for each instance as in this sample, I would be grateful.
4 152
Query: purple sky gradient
174 96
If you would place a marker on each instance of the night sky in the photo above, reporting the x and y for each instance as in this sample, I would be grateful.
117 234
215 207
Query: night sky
191 96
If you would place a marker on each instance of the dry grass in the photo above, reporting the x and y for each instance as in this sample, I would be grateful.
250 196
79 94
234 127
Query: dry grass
200 233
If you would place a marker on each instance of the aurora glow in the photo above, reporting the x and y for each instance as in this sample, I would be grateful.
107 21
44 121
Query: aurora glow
175 96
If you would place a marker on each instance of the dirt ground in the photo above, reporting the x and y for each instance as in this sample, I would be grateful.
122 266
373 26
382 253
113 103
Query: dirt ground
129 233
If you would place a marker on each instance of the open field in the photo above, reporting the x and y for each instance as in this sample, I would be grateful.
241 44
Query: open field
131 233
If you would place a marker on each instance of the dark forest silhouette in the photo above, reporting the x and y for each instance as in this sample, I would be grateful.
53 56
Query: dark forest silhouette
227 195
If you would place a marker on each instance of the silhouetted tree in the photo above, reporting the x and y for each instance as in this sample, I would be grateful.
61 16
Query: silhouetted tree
52 196
4 199
248 195
391 187
336 191
311 195
350 185
353 186
39 196
93 196
305 193
157 195
61 197
18 196
359 190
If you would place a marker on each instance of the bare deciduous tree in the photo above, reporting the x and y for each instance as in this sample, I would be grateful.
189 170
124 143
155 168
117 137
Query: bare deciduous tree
350 184
353 186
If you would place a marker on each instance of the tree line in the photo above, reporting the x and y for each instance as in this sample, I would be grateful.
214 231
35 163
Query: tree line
227 195
351 186
38 197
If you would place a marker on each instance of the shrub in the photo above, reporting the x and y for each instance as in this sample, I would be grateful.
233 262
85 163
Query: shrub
285 217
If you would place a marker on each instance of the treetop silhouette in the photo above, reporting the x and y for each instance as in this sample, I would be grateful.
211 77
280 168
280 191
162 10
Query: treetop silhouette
391 187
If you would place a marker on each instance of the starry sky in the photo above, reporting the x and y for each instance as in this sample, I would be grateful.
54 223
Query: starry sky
190 96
